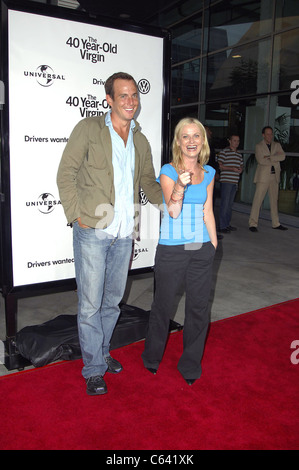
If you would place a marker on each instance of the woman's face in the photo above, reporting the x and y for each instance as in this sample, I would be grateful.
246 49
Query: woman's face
190 141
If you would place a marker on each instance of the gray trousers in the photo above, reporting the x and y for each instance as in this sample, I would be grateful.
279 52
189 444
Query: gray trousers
173 266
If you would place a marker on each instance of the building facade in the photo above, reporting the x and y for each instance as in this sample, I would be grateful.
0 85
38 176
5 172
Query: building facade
235 66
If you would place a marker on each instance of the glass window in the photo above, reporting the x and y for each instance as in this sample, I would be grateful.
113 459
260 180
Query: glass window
236 21
285 60
185 83
186 39
245 118
287 14
176 11
239 71
284 118
179 113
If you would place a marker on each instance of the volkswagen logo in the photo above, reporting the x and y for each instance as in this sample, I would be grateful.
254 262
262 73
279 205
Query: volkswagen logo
144 86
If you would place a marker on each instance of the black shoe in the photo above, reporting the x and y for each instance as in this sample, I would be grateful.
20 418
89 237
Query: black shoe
190 381
219 237
113 365
224 230
253 229
232 229
280 227
96 385
153 371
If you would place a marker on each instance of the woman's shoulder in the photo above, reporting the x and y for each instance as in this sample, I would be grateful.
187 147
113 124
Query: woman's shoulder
169 170
209 169
209 172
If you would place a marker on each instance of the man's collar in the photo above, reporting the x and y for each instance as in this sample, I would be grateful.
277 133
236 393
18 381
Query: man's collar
108 120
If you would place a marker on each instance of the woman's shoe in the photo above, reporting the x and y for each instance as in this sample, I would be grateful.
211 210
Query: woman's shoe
190 381
153 371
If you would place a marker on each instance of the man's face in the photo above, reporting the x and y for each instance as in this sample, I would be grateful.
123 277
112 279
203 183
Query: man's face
126 101
268 136
234 142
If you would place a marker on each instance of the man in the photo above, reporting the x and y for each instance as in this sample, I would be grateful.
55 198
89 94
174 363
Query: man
105 162
268 154
231 166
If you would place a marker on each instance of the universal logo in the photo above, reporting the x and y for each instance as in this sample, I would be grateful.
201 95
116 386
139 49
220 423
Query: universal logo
44 75
142 197
138 251
144 86
45 203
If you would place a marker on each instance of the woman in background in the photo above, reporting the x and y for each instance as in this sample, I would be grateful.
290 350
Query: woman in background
186 249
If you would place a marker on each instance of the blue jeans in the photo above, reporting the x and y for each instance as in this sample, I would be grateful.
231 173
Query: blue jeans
101 265
228 192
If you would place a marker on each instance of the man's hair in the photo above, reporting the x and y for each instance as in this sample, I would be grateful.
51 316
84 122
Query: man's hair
266 127
109 85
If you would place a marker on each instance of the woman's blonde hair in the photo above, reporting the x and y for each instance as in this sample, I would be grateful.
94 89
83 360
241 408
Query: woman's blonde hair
204 154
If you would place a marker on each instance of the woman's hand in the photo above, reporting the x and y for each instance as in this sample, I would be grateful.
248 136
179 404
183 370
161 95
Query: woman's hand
184 177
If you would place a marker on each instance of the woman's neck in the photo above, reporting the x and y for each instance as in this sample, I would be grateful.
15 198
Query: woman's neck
191 165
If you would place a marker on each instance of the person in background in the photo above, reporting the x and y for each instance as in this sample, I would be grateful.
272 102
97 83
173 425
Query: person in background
268 154
214 163
185 251
105 162
231 166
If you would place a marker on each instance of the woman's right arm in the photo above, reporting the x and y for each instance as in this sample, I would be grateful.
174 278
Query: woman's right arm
173 192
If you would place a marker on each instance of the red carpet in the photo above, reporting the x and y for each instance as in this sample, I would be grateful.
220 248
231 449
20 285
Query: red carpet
247 397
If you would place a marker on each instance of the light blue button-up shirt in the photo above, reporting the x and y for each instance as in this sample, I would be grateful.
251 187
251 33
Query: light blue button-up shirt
123 161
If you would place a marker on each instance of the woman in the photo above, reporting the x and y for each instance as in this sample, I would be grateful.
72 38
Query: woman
186 249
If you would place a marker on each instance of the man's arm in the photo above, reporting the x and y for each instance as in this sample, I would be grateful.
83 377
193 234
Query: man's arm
262 154
72 158
148 181
278 154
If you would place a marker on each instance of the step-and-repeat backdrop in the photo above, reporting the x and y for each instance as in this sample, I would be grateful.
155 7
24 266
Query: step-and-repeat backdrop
57 72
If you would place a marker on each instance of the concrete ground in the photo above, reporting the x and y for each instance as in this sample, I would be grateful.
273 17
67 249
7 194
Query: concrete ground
251 271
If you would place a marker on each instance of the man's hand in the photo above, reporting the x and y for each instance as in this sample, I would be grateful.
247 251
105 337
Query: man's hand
82 225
